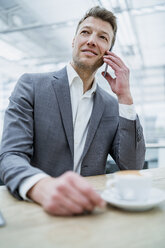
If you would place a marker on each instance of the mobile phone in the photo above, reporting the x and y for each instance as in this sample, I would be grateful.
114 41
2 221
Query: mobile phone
2 220
106 67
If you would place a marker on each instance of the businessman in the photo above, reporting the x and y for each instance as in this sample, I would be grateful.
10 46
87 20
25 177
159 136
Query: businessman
60 127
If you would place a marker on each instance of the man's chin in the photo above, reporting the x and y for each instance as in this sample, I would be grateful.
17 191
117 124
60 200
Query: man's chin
86 64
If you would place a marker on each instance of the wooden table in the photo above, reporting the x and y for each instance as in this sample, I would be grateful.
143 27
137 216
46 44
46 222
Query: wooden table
27 225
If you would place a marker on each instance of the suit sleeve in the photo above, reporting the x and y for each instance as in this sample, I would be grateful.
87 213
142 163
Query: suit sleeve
128 148
17 139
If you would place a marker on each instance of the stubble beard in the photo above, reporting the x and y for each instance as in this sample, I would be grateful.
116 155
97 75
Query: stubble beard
87 67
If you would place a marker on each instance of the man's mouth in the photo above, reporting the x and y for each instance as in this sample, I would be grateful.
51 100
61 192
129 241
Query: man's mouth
89 52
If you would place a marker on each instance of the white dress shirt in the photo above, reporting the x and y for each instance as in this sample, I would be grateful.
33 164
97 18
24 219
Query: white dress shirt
82 104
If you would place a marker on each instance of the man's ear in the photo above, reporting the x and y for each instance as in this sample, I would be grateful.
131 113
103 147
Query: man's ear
73 42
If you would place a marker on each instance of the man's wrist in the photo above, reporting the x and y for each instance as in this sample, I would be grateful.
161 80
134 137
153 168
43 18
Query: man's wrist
28 183
125 99
37 193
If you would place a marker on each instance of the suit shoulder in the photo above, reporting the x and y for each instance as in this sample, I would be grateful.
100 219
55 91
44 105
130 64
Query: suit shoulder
36 77
27 83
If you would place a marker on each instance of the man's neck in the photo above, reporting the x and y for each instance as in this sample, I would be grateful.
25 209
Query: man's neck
86 76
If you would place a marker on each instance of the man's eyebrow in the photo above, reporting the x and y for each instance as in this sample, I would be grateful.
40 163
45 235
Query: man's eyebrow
100 31
104 32
85 27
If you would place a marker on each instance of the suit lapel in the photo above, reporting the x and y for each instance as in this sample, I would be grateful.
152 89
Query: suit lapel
98 108
62 91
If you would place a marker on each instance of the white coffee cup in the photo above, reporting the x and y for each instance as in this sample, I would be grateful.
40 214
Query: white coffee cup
131 185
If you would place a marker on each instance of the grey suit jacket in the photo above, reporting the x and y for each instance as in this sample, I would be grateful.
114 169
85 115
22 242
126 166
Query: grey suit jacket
38 132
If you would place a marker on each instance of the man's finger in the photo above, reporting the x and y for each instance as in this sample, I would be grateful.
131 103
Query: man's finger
86 189
71 205
78 198
115 58
108 76
114 66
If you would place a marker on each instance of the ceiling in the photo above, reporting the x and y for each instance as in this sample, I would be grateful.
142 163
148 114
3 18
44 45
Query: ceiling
36 35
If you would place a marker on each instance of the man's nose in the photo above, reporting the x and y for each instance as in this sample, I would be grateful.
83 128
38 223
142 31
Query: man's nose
91 40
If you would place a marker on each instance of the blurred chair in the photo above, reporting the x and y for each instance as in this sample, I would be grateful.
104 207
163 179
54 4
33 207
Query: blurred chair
112 167
1 183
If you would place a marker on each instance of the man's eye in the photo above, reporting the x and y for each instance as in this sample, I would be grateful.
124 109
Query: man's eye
84 32
103 37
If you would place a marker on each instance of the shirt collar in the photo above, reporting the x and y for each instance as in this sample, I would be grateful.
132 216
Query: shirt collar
72 74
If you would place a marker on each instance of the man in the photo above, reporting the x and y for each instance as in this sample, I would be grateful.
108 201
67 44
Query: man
62 124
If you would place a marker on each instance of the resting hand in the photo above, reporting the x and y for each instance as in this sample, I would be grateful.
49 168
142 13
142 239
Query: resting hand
120 84
66 195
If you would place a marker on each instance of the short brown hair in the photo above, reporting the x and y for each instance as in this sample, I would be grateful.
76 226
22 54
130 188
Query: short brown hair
104 15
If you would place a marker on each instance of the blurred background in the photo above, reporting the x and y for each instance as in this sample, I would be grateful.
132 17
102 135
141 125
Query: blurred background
36 36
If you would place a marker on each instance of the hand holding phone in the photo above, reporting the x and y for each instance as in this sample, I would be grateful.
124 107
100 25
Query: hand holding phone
106 67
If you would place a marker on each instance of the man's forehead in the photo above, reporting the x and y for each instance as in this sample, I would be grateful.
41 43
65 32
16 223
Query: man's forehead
97 23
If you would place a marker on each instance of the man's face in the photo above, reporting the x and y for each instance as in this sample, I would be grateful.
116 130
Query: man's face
93 39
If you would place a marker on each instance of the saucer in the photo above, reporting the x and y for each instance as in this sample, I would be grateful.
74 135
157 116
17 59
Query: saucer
156 196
